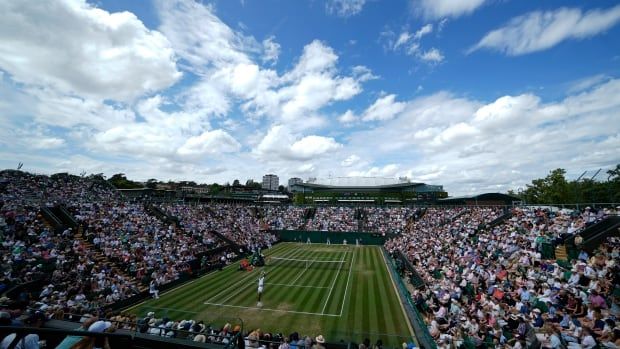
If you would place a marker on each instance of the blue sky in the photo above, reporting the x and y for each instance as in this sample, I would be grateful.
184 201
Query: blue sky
477 95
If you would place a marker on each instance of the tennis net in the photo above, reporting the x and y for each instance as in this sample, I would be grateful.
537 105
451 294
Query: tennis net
307 263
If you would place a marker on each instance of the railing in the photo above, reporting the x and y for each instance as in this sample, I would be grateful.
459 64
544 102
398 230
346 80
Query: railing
49 216
420 328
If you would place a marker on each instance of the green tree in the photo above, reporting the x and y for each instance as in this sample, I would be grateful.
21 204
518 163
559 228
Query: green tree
121 182
552 189
151 183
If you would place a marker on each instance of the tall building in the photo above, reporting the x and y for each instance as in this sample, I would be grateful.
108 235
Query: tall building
293 181
271 182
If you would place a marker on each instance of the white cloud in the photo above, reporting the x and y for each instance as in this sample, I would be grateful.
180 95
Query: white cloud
344 8
223 60
498 145
435 9
48 143
210 142
427 29
411 45
281 143
403 39
432 56
350 161
271 50
362 73
537 31
587 83
506 111
383 108
311 146
199 37
348 117
389 170
92 53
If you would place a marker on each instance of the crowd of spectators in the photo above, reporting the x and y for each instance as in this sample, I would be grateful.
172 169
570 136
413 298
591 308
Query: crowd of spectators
384 220
492 287
333 218
282 217
241 224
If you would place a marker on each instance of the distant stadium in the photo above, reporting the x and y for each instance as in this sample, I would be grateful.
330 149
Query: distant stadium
371 190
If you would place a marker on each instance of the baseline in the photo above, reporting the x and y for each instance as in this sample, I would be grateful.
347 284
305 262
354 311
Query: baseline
269 309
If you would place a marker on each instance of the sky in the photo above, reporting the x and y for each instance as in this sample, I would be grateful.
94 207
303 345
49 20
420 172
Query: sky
476 95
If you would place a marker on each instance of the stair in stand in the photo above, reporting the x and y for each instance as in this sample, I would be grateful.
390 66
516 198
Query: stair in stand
560 252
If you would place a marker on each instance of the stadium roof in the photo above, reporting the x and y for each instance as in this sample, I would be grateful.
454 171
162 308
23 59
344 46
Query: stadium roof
481 197
386 186
357 181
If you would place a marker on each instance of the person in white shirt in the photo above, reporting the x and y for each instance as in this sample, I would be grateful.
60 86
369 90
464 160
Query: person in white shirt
261 287
153 289
588 341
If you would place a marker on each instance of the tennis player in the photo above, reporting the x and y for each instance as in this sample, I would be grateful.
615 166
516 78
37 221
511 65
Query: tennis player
261 287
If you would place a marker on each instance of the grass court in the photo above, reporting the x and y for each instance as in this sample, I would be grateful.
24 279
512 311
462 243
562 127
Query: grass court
342 292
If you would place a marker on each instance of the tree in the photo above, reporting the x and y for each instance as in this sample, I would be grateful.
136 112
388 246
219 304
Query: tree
121 182
552 189
555 189
236 183
250 184
151 183
215 188
614 175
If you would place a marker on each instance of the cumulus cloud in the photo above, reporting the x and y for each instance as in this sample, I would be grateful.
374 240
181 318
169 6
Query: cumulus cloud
497 145
209 142
344 8
281 143
92 52
199 37
348 117
383 108
350 161
389 170
436 9
541 30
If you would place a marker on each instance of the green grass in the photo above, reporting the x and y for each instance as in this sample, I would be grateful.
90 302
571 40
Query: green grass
346 301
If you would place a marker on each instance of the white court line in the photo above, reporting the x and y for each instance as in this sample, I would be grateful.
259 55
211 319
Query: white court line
239 290
288 285
344 299
302 273
191 282
269 309
334 283
243 279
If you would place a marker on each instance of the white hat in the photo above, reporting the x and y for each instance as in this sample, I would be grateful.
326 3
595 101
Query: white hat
150 314
99 326
320 339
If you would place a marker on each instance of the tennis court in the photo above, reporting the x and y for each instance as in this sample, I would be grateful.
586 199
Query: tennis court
342 292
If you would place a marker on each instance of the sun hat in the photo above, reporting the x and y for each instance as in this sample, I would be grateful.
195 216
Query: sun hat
320 339
99 326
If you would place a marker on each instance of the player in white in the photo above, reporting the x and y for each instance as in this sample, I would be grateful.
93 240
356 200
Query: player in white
261 287
153 289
